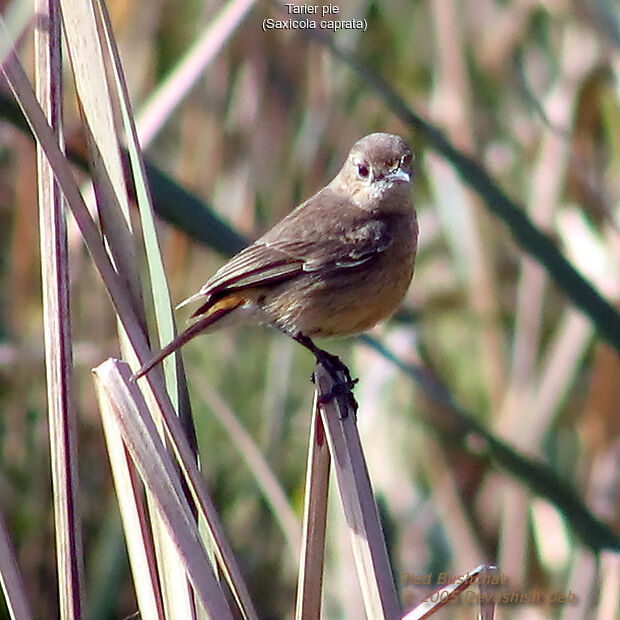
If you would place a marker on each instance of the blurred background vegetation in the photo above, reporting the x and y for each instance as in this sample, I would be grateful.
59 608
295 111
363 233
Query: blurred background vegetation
529 89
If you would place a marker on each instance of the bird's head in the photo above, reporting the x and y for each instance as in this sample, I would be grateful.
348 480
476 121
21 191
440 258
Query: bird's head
377 174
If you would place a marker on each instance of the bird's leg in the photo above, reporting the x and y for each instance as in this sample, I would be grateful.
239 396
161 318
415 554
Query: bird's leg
332 363
334 366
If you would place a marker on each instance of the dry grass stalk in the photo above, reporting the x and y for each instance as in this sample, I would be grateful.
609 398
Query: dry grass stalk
310 578
444 596
358 502
123 401
10 578
56 321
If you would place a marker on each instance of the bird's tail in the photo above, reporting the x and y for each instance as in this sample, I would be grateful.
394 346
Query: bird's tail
192 331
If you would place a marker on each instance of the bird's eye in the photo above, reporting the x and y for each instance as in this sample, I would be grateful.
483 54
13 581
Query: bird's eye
406 159
363 171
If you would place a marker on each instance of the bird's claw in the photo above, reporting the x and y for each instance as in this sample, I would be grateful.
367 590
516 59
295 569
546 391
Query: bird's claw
341 388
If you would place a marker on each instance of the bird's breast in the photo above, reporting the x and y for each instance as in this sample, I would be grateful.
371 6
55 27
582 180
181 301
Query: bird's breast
351 299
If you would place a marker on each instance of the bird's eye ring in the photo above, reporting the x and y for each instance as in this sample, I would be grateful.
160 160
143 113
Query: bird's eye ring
363 171
406 160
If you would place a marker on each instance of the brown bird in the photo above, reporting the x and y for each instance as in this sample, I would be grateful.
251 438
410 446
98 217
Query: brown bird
336 265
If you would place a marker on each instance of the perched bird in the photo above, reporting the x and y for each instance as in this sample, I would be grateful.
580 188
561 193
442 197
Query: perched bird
336 265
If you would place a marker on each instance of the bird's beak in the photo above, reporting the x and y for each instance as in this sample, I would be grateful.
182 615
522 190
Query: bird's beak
399 176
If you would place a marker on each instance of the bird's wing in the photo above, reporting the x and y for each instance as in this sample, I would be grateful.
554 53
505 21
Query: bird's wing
307 240
257 265
271 260
349 248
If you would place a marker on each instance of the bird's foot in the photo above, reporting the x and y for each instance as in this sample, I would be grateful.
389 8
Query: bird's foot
343 382
341 390
338 371
335 367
